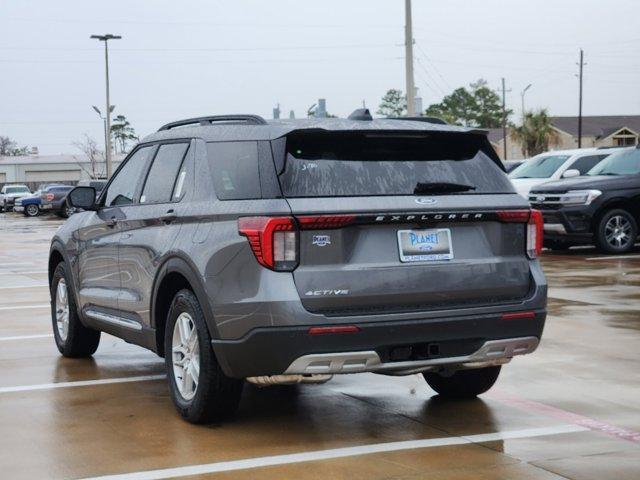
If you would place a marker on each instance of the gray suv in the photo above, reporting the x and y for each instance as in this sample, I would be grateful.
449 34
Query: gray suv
289 251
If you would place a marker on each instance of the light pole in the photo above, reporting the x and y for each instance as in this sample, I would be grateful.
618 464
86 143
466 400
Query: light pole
105 38
104 121
408 46
522 96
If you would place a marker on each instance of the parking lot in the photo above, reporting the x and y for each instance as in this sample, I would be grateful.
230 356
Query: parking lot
570 410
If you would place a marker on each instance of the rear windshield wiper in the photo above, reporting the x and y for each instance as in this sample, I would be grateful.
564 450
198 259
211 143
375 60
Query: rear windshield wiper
441 187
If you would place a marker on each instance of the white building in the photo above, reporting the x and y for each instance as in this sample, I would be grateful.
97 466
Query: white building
36 169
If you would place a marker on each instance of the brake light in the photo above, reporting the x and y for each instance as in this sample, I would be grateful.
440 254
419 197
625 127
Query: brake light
534 234
514 216
323 222
273 240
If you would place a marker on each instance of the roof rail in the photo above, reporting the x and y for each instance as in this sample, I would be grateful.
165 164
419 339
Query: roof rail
228 119
435 120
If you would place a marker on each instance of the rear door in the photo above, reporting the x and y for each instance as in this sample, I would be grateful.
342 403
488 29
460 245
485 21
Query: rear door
371 242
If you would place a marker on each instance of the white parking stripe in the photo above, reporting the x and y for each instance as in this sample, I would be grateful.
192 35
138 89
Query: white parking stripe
316 455
40 285
26 337
26 272
26 307
614 257
80 383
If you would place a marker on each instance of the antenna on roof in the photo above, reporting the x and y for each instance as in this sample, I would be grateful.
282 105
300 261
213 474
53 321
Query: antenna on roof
361 114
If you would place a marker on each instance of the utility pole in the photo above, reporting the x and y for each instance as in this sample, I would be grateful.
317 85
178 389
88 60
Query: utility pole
105 39
580 101
504 120
408 46
522 95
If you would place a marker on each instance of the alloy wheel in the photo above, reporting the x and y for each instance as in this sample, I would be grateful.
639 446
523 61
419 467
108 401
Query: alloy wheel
617 231
62 309
32 210
185 356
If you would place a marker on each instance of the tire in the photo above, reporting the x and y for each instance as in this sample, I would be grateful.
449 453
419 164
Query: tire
73 339
616 232
213 396
31 210
463 383
65 212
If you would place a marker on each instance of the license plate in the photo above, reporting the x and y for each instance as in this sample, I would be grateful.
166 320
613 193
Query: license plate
425 245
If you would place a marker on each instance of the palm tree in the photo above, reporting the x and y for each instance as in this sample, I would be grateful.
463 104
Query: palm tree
536 133
122 132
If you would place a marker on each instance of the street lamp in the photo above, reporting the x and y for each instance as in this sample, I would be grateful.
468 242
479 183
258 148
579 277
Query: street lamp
522 96
105 38
104 121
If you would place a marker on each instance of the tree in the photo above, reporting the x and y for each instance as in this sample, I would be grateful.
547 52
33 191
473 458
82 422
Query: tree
94 156
10 148
536 133
478 106
122 132
393 104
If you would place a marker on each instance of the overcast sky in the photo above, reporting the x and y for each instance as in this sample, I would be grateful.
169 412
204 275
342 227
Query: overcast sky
187 58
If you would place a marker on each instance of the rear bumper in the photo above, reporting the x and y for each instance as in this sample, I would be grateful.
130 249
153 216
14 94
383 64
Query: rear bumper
391 347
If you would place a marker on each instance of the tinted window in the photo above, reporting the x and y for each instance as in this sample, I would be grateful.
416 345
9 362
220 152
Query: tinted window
584 164
539 167
163 173
234 166
621 163
123 186
60 189
329 165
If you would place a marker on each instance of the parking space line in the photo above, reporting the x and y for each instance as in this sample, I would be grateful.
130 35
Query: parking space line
615 257
25 286
26 307
80 383
258 462
25 337
26 272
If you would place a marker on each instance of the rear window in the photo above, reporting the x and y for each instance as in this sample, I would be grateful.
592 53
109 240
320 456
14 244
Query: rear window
372 164
234 166
540 167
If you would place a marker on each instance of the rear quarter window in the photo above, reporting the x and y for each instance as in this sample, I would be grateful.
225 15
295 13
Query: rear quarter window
234 167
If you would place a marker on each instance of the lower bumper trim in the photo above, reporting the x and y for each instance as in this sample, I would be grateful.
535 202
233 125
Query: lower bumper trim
491 352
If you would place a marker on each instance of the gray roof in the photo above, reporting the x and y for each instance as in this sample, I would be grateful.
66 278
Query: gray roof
278 128
597 126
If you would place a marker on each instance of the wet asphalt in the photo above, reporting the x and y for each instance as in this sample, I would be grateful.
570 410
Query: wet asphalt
569 410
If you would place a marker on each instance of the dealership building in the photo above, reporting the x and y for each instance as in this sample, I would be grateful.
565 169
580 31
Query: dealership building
37 169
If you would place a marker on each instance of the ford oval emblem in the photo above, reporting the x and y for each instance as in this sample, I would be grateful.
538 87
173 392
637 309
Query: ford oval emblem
426 201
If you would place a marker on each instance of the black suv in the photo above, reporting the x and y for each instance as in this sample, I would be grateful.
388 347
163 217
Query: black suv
602 207
289 251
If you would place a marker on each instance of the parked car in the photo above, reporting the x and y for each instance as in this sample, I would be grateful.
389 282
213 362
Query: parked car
511 165
279 251
54 200
29 205
98 185
8 195
602 207
555 165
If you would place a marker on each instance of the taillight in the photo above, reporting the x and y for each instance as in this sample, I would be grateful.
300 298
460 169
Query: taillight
323 222
533 219
534 234
273 240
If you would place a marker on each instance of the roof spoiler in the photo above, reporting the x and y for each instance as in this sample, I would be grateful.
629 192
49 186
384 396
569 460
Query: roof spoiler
361 114
240 119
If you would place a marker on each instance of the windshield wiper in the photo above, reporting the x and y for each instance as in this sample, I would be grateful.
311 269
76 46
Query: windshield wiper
441 187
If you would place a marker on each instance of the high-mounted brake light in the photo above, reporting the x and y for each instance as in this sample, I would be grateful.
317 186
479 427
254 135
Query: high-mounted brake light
273 240
535 228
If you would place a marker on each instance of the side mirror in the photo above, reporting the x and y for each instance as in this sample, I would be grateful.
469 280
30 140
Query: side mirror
571 173
82 197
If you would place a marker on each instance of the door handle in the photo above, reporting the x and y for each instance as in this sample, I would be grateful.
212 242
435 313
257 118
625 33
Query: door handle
169 216
112 222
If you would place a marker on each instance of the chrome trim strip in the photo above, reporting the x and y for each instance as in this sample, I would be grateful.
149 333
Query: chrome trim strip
113 319
555 228
494 351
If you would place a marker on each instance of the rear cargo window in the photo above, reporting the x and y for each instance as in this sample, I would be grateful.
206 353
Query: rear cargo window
363 164
234 166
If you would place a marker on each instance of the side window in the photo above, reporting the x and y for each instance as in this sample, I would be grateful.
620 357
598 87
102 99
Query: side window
163 179
123 186
234 166
584 164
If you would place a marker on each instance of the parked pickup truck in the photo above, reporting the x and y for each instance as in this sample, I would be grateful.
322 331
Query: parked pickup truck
8 195
54 200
